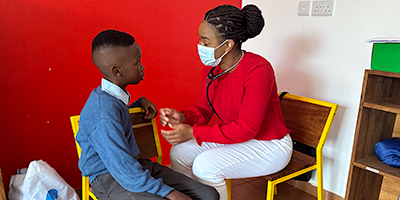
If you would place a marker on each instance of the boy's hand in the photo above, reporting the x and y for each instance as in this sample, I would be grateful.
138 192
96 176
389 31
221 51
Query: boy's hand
169 116
181 133
176 195
149 108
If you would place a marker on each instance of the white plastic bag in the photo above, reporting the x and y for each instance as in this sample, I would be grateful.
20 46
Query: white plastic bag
41 182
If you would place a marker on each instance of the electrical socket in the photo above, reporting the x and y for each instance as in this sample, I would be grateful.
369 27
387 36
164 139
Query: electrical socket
322 8
304 8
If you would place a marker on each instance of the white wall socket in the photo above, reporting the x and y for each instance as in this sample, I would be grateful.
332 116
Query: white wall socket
304 8
322 8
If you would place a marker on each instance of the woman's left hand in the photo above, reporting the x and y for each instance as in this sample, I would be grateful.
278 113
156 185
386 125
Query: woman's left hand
149 108
181 133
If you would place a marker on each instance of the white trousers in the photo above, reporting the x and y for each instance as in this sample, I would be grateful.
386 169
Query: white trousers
212 163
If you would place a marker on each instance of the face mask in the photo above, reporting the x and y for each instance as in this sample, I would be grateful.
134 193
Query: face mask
207 55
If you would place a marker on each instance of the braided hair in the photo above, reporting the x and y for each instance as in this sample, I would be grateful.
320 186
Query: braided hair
232 23
111 38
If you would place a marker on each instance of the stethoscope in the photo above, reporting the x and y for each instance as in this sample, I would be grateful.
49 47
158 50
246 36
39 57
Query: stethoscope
211 77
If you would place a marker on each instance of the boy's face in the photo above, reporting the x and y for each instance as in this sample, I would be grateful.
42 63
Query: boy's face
131 66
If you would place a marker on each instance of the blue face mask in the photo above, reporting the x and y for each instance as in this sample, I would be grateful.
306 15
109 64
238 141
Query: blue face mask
207 55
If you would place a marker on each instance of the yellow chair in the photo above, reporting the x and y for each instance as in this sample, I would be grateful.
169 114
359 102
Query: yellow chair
146 135
309 121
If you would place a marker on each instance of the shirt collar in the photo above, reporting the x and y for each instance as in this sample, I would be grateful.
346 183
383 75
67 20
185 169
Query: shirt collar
115 90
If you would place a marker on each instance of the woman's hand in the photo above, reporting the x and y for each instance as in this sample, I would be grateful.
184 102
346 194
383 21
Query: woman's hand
171 117
149 108
181 133
176 195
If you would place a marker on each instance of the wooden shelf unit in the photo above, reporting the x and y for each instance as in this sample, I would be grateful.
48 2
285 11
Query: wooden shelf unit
377 119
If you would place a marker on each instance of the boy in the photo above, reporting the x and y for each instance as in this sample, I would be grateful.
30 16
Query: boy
109 149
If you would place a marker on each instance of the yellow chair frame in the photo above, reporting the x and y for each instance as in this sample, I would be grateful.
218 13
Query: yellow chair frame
310 121
149 144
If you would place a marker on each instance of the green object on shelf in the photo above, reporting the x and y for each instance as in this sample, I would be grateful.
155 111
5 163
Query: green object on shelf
386 57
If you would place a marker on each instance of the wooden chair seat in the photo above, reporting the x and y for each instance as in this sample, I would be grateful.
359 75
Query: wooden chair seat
298 162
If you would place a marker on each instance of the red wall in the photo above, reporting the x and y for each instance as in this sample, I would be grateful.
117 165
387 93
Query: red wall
46 73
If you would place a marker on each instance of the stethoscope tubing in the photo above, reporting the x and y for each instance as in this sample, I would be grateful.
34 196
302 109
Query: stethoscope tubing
210 78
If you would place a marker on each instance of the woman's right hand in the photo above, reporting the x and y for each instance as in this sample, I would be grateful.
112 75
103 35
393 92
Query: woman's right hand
171 117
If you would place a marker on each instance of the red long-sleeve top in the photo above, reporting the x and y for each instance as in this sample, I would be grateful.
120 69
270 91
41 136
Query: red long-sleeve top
246 100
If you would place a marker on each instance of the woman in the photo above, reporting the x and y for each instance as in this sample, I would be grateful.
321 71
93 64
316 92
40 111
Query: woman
251 138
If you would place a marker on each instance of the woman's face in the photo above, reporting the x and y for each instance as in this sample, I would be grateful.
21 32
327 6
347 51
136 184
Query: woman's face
209 38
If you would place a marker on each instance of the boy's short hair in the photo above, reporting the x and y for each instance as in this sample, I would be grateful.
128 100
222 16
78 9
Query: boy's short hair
111 38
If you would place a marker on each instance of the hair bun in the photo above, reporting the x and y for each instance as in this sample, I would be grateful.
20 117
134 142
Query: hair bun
254 19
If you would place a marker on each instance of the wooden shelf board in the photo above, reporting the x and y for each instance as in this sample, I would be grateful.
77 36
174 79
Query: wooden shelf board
383 73
389 105
372 163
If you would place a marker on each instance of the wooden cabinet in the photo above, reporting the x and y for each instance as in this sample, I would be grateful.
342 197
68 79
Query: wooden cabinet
369 178
2 192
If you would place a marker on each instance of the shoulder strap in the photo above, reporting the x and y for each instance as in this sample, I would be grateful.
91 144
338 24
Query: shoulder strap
282 95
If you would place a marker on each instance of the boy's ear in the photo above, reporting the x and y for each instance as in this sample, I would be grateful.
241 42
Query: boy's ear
116 71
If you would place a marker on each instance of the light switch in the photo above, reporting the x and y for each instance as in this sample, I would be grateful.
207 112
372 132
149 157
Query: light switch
304 8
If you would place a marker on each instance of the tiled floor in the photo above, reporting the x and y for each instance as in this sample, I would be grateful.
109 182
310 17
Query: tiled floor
255 189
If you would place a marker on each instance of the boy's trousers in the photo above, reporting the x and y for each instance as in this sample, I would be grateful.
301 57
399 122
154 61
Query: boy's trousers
105 187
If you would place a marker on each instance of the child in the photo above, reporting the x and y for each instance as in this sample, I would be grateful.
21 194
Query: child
109 149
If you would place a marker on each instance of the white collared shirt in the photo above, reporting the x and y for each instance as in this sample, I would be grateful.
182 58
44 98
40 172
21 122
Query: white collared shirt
115 90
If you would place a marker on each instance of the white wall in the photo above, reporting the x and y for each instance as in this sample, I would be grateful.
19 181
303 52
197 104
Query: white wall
325 58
